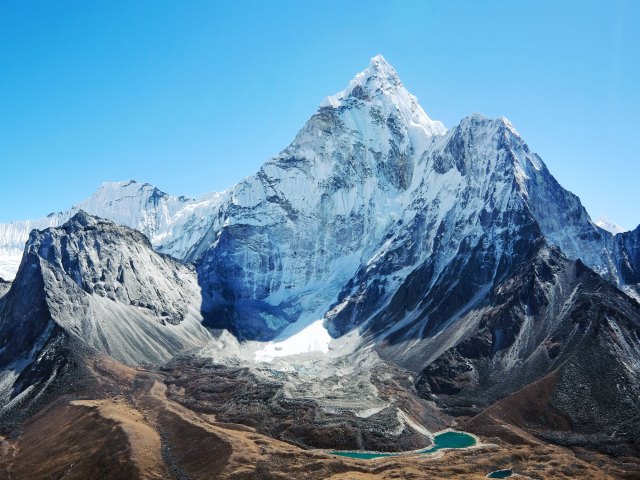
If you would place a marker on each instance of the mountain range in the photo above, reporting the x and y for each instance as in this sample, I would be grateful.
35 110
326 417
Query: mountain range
380 279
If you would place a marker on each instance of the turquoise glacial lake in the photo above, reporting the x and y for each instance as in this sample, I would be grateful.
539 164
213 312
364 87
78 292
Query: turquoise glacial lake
506 473
442 440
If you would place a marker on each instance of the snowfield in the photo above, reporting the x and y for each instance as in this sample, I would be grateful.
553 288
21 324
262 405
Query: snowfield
9 266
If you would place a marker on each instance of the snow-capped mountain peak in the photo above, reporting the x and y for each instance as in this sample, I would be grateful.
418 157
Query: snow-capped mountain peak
609 225
379 78
172 223
379 87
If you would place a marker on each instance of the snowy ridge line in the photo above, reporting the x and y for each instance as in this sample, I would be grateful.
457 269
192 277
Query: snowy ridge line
172 223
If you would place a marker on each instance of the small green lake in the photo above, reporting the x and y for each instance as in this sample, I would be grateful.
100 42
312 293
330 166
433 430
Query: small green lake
506 473
441 440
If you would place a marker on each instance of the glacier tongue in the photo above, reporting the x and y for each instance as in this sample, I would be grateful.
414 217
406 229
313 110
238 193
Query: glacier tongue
312 338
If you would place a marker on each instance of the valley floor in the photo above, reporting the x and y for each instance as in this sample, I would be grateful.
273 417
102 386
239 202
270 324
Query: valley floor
132 428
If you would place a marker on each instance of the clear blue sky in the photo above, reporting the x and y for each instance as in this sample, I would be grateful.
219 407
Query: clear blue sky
193 96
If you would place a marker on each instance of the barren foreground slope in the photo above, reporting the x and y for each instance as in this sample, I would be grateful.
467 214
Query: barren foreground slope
125 426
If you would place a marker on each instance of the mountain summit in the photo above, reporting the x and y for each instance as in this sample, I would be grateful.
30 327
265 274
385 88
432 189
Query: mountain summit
380 86
287 239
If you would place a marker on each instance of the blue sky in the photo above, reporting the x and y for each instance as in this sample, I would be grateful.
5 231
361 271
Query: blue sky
193 96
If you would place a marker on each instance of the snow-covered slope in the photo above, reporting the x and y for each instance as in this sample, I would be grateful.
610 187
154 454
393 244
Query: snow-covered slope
286 239
466 225
380 87
172 223
9 265
13 237
485 201
370 183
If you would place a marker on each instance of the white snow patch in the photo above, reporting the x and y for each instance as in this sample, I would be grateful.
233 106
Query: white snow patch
610 226
9 266
313 338
368 412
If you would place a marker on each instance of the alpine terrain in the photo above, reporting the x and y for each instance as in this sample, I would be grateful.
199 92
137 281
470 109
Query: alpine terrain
380 281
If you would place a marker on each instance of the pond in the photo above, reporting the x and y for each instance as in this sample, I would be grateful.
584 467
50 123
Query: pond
443 440
506 473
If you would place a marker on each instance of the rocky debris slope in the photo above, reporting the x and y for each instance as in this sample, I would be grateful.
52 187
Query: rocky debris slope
94 286
377 410
106 285
4 287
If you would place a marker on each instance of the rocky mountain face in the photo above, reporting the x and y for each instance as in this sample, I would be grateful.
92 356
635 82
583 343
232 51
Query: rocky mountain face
99 287
565 223
555 349
627 246
372 194
551 313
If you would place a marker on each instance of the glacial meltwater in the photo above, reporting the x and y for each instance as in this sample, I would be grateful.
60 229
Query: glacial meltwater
441 440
